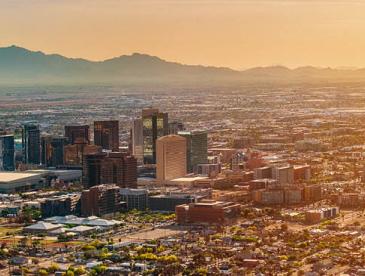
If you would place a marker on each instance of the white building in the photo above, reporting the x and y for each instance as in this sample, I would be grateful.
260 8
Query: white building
171 157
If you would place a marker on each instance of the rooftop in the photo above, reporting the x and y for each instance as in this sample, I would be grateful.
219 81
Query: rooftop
41 225
189 179
16 176
171 137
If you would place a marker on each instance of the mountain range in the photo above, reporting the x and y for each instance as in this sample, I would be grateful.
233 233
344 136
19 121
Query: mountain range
22 66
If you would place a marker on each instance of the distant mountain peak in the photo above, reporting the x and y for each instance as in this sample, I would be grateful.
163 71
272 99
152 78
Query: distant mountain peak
22 66
15 48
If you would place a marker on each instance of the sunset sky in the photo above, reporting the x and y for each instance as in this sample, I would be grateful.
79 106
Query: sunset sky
232 33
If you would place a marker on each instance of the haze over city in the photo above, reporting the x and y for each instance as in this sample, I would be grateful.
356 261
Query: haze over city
182 137
232 33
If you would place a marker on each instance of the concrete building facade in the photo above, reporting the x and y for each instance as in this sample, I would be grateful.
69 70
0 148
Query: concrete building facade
171 157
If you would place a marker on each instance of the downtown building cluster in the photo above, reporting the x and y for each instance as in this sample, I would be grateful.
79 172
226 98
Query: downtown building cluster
44 157
166 150
165 157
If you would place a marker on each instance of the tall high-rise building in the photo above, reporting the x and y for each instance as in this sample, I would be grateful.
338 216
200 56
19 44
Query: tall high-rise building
73 154
91 169
171 157
7 152
137 139
106 134
155 125
31 142
129 172
197 148
53 150
112 167
77 134
119 169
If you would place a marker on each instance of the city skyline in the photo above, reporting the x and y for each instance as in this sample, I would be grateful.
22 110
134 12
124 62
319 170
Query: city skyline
235 34
129 147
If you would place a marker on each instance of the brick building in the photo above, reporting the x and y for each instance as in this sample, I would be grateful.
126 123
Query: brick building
312 193
101 200
302 173
60 205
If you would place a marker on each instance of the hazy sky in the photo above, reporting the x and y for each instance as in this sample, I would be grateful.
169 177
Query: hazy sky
233 33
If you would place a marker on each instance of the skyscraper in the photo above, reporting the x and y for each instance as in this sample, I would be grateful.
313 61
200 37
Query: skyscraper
31 144
197 148
112 167
91 169
7 152
120 169
73 154
106 134
129 172
77 134
171 157
137 139
53 150
155 125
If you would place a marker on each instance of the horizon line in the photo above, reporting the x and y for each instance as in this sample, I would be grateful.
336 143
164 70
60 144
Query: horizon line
340 67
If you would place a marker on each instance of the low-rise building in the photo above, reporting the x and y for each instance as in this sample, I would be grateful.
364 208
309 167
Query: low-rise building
317 215
60 205
207 211
15 182
263 172
350 200
207 169
302 173
168 202
135 198
272 197
312 193
283 174
101 200
263 183
41 227
278 196
89 221
293 196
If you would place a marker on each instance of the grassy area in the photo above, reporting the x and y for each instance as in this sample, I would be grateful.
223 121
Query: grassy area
74 243
146 216
6 231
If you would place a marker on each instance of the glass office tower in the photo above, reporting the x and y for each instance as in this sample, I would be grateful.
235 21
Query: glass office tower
7 151
77 134
31 143
197 148
106 134
53 150
155 125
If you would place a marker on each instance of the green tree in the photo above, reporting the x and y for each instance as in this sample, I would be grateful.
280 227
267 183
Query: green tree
70 273
42 272
80 271
53 268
